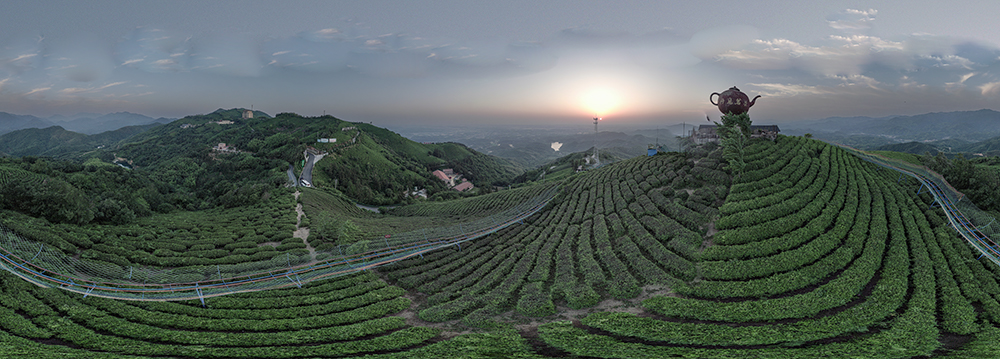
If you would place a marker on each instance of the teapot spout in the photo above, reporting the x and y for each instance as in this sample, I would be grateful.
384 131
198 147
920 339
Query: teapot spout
753 101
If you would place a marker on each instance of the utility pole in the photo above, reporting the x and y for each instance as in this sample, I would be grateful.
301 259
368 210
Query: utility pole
680 147
597 159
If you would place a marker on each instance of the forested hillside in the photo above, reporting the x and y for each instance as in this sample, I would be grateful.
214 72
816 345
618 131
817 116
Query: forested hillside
369 164
181 166
57 142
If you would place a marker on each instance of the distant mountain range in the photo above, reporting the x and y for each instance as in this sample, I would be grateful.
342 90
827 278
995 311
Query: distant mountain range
971 126
55 141
988 147
85 123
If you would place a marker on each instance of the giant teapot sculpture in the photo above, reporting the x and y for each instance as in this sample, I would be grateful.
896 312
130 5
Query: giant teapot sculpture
733 100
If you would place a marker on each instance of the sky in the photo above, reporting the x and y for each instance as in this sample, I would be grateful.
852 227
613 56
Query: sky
499 62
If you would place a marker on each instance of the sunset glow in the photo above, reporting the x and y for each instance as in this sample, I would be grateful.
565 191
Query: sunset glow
601 101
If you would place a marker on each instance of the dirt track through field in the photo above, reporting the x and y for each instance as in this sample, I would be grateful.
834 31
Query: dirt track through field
302 232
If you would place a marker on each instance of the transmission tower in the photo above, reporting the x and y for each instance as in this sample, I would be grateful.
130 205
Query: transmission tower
597 159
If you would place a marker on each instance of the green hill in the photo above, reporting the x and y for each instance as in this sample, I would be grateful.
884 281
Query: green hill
564 166
810 252
182 165
59 143
917 148
369 164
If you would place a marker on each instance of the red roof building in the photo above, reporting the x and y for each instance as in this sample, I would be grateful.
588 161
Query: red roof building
464 186
440 175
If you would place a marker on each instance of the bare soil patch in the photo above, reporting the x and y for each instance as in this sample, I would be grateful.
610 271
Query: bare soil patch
302 232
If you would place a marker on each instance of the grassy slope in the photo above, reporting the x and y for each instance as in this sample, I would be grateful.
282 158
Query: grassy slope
911 158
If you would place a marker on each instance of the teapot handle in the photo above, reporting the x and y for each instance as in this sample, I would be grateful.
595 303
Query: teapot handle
710 98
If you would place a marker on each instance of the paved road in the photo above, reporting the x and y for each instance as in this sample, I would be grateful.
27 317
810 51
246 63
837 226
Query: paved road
307 176
307 171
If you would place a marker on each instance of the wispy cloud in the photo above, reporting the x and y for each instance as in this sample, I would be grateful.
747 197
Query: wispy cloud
74 90
38 90
852 20
778 89
22 57
79 90
990 88
153 50
112 84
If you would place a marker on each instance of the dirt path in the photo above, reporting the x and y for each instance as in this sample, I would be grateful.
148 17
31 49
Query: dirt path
302 232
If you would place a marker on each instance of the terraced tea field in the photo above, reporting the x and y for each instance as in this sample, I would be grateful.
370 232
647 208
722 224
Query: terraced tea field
818 254
811 252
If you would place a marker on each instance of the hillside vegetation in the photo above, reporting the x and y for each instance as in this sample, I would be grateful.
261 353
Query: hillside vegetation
57 142
809 252
818 254
369 164
181 166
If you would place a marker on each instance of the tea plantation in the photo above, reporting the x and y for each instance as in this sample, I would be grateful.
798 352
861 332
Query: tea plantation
809 252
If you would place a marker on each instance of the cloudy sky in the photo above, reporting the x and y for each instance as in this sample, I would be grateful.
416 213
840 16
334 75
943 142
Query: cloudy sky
470 62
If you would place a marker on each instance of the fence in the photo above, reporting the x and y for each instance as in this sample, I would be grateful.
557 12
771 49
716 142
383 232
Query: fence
975 225
49 267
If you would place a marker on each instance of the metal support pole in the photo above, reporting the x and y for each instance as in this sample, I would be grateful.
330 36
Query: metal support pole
987 225
220 278
39 251
293 281
200 296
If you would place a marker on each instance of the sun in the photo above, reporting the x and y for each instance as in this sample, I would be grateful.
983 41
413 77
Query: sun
600 101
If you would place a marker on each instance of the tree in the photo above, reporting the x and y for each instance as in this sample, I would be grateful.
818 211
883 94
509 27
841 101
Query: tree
113 211
734 133
52 198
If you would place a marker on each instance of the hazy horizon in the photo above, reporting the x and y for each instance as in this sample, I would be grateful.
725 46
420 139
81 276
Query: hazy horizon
487 63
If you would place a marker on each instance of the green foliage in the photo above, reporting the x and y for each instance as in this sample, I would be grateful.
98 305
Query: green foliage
565 166
819 254
979 182
864 274
602 237
734 134
57 142
43 196
911 158
345 316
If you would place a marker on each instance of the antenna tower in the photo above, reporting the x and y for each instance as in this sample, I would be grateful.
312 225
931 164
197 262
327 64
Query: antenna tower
597 159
